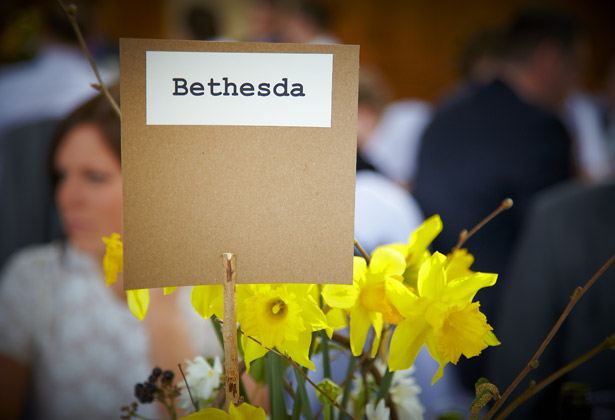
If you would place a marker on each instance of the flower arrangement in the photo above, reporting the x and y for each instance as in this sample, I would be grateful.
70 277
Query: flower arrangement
404 295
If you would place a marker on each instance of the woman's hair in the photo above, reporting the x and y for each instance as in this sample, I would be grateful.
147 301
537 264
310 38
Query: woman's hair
96 111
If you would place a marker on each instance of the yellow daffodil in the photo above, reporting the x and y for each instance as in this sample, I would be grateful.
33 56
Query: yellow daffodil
138 300
244 411
440 314
113 259
366 298
207 300
282 316
415 251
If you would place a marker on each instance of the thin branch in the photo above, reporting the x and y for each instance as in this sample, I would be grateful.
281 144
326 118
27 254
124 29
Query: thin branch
464 235
71 12
609 342
362 251
292 362
194 404
533 363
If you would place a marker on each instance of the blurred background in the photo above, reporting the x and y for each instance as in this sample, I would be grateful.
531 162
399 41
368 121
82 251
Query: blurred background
415 43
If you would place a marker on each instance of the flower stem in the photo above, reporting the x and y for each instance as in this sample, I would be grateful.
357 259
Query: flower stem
609 342
465 235
578 293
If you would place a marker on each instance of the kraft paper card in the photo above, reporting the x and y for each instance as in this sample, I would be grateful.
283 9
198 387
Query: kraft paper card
247 148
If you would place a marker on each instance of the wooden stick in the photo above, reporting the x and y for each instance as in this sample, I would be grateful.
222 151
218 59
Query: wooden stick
229 332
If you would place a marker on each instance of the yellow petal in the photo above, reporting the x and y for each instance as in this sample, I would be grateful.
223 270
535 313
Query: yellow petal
432 278
208 414
490 339
246 411
437 356
408 339
359 325
423 236
464 289
463 332
299 350
337 318
459 263
169 290
208 300
138 302
251 351
387 261
401 297
359 268
377 324
340 295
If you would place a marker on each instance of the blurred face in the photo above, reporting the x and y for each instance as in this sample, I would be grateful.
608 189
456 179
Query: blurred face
89 190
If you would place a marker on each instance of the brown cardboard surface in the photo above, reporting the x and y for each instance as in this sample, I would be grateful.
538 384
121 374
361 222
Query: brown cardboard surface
280 198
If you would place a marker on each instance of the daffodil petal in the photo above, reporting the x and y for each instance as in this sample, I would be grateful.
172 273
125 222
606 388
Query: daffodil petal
490 339
464 289
401 297
315 317
401 248
169 290
299 350
432 278
138 302
424 235
251 351
340 295
208 300
406 342
208 414
337 318
377 324
246 411
359 268
359 326
432 347
387 261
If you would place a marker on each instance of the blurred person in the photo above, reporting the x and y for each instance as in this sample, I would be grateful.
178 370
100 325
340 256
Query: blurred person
202 23
305 21
69 346
389 135
384 212
263 21
55 81
569 235
501 140
583 119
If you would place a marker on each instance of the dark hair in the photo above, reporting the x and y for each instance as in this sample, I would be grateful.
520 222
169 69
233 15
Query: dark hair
96 111
202 23
536 25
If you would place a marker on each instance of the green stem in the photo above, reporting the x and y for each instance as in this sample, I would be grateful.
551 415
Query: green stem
325 354
347 386
275 375
385 385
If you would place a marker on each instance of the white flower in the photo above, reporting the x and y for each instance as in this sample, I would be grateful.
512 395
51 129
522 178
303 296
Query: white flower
203 379
404 393
381 412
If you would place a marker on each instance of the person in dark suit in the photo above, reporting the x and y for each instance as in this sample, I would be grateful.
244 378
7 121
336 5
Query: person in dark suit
570 235
501 140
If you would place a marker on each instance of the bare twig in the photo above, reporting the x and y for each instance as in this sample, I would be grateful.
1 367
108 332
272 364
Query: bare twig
194 404
362 251
465 235
609 342
533 363
71 12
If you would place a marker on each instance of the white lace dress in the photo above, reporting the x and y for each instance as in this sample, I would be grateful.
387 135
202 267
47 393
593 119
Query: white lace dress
84 348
